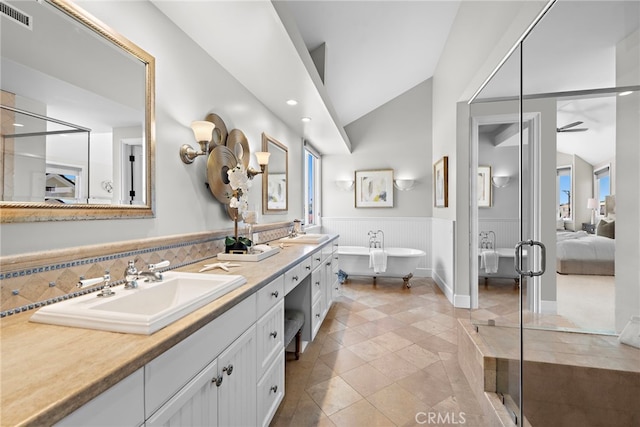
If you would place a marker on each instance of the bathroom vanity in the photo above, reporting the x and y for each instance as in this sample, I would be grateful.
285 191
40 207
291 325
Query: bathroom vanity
222 364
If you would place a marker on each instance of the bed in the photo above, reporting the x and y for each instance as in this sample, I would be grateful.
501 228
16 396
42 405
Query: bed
582 253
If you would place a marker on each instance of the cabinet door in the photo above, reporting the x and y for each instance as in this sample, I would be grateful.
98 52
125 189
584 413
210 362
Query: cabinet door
269 337
271 390
196 404
237 392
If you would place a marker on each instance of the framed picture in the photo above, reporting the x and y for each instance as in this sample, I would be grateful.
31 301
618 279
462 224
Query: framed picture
374 188
484 186
441 182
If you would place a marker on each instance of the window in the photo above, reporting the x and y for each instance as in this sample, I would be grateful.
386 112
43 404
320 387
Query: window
602 186
563 193
311 186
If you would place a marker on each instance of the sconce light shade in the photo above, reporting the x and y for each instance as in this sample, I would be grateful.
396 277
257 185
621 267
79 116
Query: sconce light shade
344 184
202 130
404 184
500 181
263 157
592 204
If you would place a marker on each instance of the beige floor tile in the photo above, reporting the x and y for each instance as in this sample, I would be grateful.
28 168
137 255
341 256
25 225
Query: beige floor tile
425 388
308 413
394 366
371 314
342 360
348 337
366 379
391 341
333 395
368 350
412 333
351 319
430 327
418 356
360 414
320 372
397 404
329 346
370 329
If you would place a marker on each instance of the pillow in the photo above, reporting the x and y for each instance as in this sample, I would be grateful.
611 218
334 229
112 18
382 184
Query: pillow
559 224
606 229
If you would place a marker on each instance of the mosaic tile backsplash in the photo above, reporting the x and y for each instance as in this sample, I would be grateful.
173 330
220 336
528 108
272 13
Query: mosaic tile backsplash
39 279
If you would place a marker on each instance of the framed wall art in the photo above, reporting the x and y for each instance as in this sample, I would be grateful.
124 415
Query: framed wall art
484 186
441 182
374 188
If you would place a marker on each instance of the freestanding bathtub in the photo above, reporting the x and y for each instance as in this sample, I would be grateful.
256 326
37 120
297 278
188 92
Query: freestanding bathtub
401 262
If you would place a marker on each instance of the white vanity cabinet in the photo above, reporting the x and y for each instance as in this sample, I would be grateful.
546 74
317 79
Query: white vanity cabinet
121 405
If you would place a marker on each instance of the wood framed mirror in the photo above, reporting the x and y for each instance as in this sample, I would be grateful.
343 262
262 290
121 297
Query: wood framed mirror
77 117
275 180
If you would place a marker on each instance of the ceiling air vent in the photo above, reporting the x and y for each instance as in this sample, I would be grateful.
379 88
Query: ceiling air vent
15 15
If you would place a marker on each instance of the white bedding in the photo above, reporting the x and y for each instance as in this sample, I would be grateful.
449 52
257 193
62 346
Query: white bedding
582 246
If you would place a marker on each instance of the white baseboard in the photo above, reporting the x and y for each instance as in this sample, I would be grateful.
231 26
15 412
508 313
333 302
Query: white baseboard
448 292
548 307
422 272
462 301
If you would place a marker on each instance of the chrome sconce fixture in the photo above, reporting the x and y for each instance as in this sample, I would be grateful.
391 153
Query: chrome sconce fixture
500 181
345 184
404 184
203 132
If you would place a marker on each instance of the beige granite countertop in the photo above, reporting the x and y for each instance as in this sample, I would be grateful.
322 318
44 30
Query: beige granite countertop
47 371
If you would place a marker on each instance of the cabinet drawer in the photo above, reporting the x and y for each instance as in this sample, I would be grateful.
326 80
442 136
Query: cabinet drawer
316 283
270 336
292 278
316 316
335 262
316 259
270 295
121 405
170 371
271 390
305 267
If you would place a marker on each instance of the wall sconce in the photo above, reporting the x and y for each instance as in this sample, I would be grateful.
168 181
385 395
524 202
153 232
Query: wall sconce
344 184
203 132
263 161
500 181
404 184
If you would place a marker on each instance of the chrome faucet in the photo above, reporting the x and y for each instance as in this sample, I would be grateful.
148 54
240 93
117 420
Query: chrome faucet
106 289
132 275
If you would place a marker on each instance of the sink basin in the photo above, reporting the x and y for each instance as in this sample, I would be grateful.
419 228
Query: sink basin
144 310
306 238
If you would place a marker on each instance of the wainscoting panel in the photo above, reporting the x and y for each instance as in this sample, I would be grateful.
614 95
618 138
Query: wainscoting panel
507 230
443 245
399 232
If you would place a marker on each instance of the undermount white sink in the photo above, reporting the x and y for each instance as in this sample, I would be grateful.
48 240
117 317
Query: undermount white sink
145 310
306 238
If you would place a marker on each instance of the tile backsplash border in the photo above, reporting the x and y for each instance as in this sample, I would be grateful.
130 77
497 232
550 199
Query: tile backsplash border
29 281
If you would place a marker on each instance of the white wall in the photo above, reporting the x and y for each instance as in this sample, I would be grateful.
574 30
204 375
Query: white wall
465 63
503 161
189 85
395 136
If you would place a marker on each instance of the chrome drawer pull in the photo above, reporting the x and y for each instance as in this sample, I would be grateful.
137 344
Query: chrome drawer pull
217 380
274 294
274 334
274 388
228 369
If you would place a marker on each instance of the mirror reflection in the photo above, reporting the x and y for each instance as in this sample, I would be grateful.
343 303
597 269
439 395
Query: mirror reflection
275 178
76 115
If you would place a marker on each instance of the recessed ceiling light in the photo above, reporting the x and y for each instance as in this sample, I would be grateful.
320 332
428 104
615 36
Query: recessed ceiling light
306 119
292 102
625 93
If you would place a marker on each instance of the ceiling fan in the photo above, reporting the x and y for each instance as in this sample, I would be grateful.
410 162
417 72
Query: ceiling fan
570 126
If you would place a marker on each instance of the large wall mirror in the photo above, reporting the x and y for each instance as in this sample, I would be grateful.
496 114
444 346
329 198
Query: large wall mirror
275 191
77 117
